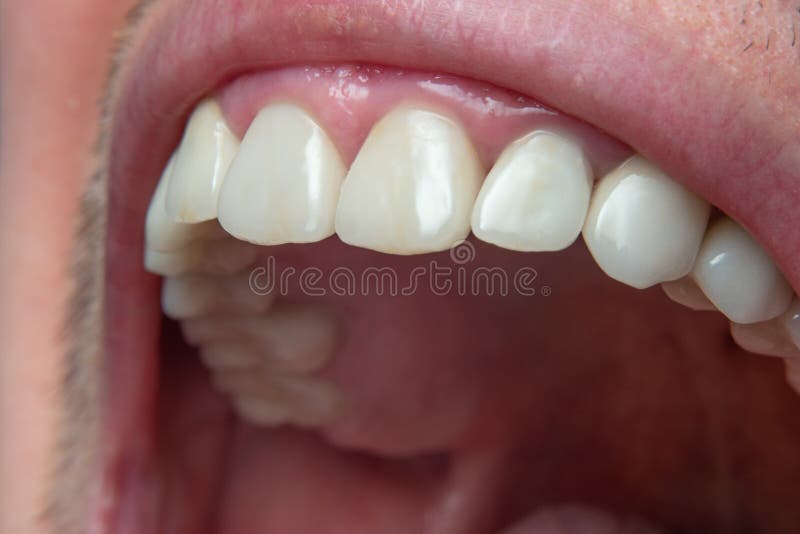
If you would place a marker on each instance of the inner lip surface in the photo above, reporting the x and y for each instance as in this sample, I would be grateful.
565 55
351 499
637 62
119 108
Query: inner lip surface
181 69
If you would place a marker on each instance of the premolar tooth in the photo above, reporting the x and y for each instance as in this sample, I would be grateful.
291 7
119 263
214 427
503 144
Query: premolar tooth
536 196
162 233
220 256
193 295
644 228
685 292
738 276
412 186
283 185
206 151
768 338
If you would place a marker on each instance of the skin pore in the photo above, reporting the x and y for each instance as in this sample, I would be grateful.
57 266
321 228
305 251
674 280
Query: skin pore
55 59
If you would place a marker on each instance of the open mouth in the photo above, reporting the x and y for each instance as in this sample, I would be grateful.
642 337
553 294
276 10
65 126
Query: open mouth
397 293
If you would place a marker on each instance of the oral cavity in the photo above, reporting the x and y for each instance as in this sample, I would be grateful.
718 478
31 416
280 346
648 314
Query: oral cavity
416 175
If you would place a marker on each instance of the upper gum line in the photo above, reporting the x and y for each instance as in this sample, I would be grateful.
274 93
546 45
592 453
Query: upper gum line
348 100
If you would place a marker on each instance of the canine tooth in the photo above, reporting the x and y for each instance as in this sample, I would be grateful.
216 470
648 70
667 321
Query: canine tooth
791 321
412 186
162 234
193 295
685 292
738 276
201 161
768 338
536 197
295 339
283 185
644 228
221 256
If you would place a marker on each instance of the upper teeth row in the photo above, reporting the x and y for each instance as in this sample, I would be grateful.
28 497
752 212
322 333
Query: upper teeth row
417 185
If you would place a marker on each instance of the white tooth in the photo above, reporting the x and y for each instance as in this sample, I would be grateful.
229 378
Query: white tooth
738 276
685 292
283 185
791 321
768 338
193 295
221 256
536 197
295 339
273 399
202 159
165 235
412 186
644 228
260 412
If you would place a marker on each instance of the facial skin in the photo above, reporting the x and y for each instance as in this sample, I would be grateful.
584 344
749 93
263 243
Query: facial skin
55 59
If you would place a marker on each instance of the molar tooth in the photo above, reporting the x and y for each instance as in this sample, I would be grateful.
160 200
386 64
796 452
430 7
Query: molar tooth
193 295
412 186
536 197
738 276
685 292
283 185
291 339
201 161
768 338
162 233
644 228
220 256
260 412
276 399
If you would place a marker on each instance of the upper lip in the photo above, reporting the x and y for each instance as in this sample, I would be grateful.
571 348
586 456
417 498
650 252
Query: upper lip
665 101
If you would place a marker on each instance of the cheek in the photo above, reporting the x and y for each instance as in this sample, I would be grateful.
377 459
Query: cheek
53 58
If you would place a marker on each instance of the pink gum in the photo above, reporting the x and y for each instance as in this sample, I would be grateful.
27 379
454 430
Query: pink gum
347 100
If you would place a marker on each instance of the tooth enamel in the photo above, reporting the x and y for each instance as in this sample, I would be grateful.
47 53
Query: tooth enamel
738 276
685 292
260 412
283 185
165 235
295 339
768 338
193 295
644 228
270 400
201 161
536 197
791 321
220 256
412 186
